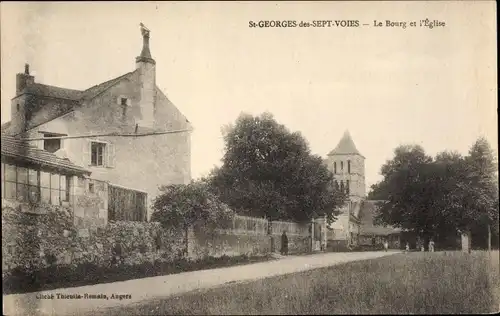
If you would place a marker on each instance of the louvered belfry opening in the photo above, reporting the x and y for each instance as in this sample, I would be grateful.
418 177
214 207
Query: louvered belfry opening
126 204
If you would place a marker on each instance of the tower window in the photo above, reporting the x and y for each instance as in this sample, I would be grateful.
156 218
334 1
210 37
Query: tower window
341 165
335 167
348 166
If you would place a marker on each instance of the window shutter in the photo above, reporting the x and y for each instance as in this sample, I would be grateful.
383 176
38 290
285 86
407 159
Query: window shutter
110 153
129 102
118 100
87 151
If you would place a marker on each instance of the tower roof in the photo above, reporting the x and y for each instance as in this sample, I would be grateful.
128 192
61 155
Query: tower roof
345 146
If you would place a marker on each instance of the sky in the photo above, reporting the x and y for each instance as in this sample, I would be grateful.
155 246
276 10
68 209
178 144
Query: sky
387 85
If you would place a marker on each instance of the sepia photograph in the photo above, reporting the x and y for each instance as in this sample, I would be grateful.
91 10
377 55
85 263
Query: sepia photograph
249 158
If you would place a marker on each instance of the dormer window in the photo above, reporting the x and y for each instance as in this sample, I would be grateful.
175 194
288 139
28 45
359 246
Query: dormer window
52 141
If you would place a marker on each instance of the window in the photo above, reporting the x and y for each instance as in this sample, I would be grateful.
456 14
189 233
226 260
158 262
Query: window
347 186
342 185
341 165
17 107
348 166
52 145
31 185
124 103
335 167
97 154
91 187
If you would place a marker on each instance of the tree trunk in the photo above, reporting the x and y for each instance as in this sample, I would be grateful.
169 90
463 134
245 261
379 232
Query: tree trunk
466 241
489 237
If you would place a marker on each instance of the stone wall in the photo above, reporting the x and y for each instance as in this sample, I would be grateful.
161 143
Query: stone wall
249 236
299 240
229 243
34 241
50 237
90 203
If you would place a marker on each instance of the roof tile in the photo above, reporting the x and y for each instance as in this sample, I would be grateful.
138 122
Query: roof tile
367 215
345 146
19 149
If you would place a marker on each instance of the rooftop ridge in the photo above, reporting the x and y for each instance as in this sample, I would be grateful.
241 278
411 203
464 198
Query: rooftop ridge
345 146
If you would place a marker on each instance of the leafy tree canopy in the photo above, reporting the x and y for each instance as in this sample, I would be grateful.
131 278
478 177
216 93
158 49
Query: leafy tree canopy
269 171
191 205
447 194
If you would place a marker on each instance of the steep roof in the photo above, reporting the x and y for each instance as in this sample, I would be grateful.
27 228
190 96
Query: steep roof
44 90
68 99
22 150
367 215
345 146
99 88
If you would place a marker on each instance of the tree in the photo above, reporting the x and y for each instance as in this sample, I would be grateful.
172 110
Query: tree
269 171
446 195
406 190
192 205
482 182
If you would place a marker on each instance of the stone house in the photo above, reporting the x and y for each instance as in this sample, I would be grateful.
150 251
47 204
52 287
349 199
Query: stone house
125 131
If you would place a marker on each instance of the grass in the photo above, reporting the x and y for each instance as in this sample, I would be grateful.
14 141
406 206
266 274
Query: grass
412 283
54 277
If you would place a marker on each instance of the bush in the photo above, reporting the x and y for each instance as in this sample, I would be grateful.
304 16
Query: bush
192 205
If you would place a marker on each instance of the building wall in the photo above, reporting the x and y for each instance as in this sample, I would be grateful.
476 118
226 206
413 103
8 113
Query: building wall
341 227
142 163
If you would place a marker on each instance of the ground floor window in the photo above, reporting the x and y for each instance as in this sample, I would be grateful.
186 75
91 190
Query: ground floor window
32 185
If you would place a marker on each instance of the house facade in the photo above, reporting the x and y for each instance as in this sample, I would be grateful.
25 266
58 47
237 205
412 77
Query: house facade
125 131
354 226
32 177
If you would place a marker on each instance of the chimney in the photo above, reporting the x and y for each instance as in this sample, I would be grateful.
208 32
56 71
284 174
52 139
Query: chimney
24 79
146 66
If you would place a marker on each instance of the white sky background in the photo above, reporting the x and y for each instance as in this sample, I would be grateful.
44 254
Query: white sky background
388 86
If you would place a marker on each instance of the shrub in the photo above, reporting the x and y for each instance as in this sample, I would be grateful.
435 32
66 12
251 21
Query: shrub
191 205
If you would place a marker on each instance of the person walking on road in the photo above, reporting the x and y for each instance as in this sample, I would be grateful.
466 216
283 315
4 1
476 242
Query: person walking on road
407 247
386 245
284 244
